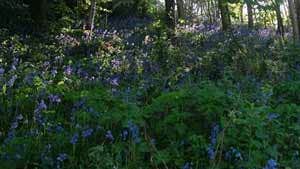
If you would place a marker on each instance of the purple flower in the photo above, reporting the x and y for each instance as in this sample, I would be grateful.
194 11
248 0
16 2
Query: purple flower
1 71
114 81
211 152
115 63
41 106
54 98
271 164
53 72
87 133
11 82
273 116
124 134
62 157
214 134
68 70
109 136
134 131
233 155
14 125
187 166
19 117
74 138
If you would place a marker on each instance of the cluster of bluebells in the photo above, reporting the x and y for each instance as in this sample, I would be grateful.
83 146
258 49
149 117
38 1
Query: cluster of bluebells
2 71
61 157
87 133
134 132
38 117
109 136
272 116
74 139
233 155
187 165
12 129
271 164
54 99
12 80
213 141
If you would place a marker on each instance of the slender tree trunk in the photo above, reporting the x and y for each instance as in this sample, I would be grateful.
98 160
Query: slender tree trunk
280 27
242 13
180 9
293 17
92 15
250 15
297 7
170 14
209 10
225 15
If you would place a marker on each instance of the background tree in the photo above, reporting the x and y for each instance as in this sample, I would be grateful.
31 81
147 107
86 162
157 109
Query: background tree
249 4
293 18
225 14
170 14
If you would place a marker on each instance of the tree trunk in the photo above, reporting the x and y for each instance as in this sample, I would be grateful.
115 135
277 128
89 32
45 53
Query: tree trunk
293 17
280 27
180 9
297 7
92 15
170 14
250 15
225 15
242 13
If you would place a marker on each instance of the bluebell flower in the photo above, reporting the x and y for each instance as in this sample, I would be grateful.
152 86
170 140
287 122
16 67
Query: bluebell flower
54 98
124 134
14 125
109 136
68 70
53 72
19 117
134 132
2 71
11 82
74 138
211 152
271 164
59 129
41 106
87 133
114 81
62 157
272 116
37 113
187 166
233 155
214 134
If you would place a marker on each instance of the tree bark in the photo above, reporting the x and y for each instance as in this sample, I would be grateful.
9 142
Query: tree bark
170 14
242 13
293 17
280 27
92 15
180 9
297 7
225 15
250 14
